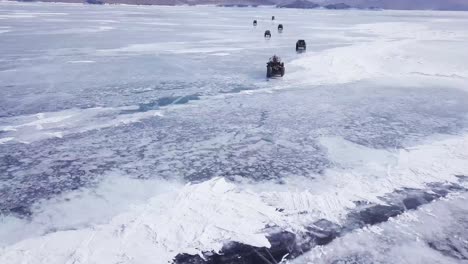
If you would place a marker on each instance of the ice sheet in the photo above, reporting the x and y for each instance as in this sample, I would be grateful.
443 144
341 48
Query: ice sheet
202 217
136 133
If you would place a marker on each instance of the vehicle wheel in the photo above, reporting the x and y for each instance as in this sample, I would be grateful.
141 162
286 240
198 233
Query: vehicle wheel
269 71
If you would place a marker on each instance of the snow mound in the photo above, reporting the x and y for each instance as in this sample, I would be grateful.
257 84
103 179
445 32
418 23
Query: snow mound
397 53
201 217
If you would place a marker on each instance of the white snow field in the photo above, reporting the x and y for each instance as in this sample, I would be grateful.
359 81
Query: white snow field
145 134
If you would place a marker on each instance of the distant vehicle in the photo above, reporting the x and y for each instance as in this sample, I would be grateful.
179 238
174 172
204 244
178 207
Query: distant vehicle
267 34
300 45
255 23
275 68
280 28
272 17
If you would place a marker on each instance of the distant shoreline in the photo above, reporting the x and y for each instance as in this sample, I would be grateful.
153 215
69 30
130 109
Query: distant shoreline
213 4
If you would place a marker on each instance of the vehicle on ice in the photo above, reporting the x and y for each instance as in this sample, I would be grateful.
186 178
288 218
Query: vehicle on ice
275 67
280 28
267 34
272 17
300 45
255 23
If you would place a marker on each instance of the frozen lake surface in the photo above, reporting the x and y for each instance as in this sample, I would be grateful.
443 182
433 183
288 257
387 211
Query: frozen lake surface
144 134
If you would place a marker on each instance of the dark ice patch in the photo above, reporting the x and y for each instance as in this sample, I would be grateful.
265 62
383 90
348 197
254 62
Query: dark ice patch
287 245
462 178
282 244
320 233
177 100
363 258
164 101
454 247
397 203
412 203
20 211
378 214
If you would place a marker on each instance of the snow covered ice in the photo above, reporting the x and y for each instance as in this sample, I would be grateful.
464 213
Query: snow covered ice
144 134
